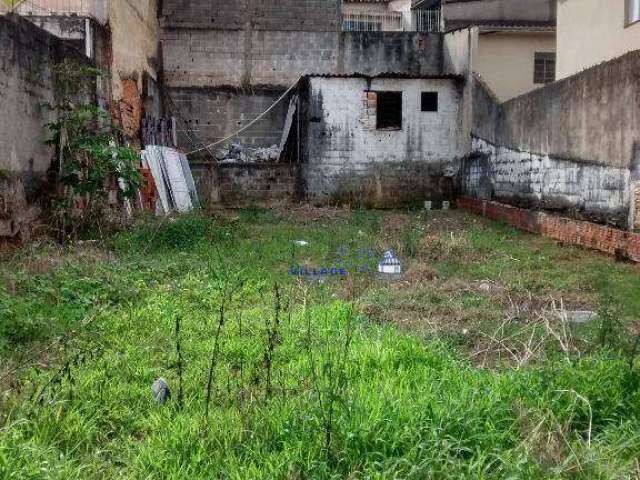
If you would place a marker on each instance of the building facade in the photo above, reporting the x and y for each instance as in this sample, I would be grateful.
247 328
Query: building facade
515 44
592 31
381 141
390 16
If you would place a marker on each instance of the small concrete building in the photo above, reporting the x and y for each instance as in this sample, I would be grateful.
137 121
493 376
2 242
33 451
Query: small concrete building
388 140
592 31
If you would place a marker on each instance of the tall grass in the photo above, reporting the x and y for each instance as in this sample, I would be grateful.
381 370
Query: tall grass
285 379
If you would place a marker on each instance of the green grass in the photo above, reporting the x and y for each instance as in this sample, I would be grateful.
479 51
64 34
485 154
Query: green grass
312 380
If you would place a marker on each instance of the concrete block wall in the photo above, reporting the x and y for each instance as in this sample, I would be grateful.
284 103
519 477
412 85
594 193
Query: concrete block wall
258 49
302 15
241 185
211 113
249 42
347 159
375 53
586 190
593 116
569 146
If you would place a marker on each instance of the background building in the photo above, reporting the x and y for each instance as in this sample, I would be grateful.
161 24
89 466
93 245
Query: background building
594 31
515 47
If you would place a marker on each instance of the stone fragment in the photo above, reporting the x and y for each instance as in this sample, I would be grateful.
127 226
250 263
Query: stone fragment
161 391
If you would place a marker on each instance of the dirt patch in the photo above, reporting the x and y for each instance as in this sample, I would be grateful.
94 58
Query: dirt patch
394 225
309 213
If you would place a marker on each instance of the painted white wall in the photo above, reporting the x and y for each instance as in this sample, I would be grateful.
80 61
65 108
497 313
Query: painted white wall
505 60
591 32
513 175
344 140
425 136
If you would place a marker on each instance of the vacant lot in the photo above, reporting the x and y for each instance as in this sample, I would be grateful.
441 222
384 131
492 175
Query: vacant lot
471 364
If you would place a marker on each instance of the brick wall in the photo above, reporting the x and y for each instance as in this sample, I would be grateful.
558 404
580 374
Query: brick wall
573 232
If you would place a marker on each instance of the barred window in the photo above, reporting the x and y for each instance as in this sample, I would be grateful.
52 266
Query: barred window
544 69
362 26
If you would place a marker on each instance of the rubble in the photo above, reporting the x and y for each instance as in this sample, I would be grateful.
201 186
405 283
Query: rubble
238 153
161 391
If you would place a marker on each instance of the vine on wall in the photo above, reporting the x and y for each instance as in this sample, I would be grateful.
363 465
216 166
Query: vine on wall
91 159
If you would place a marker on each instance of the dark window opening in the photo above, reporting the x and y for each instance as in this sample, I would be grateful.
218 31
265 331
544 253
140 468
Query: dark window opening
429 101
389 115
544 69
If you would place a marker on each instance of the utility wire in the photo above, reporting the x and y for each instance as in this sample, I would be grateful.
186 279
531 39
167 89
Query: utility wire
254 121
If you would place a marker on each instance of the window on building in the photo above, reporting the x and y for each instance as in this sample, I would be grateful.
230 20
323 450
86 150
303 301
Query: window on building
389 113
429 101
544 70
632 11
362 26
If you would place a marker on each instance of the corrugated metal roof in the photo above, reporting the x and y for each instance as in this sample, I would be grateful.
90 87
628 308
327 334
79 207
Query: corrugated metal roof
399 75
484 25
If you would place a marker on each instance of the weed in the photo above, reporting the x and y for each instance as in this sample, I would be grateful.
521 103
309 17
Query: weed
179 365
214 359
295 380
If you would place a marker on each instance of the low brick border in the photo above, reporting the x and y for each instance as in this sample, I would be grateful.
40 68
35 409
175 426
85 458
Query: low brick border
574 232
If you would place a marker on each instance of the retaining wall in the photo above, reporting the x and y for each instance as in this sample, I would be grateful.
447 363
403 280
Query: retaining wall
27 87
573 145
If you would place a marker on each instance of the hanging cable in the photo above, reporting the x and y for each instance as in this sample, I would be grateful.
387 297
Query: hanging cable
255 120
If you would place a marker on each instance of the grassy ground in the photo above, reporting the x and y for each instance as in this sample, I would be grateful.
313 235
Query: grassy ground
465 367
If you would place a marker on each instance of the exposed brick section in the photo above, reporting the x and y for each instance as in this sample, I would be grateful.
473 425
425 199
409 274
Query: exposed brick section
128 111
584 234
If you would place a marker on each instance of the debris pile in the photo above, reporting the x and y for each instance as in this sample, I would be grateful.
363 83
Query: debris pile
173 179
238 153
